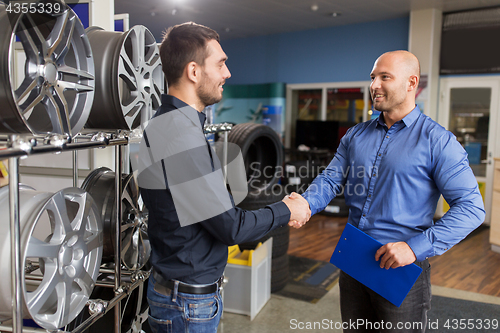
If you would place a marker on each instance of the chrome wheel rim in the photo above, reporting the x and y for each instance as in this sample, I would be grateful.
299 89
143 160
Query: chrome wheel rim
56 87
130 78
61 235
134 309
135 247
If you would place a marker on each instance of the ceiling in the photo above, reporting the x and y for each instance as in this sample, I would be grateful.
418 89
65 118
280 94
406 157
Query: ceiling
247 18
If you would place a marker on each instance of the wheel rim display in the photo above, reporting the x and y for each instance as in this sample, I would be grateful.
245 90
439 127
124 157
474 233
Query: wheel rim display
61 237
129 80
55 88
135 247
134 309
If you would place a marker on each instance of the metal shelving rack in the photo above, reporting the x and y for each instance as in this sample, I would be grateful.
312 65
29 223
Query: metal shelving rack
21 146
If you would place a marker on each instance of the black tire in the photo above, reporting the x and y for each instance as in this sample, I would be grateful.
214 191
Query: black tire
279 273
262 153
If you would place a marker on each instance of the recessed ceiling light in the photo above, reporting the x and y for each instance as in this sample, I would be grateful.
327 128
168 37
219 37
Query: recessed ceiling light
314 7
335 14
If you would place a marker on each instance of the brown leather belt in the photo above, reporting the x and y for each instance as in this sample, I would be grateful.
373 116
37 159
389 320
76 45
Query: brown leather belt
166 286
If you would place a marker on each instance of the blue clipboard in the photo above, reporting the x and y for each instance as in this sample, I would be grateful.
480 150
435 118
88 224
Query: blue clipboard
355 255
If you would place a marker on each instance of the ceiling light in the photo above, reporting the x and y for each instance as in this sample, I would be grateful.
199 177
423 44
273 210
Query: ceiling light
314 7
174 11
335 14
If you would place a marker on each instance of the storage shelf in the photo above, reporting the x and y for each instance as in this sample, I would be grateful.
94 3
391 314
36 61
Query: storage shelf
13 147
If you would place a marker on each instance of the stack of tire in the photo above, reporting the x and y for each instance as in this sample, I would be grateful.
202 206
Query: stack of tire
262 153
300 174
336 208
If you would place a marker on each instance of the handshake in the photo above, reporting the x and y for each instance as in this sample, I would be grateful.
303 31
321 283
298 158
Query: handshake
299 210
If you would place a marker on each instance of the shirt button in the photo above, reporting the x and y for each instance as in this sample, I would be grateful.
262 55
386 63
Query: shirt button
379 154
369 195
364 215
387 137
374 174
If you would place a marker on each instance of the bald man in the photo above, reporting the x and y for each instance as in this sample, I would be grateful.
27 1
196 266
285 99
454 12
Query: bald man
392 171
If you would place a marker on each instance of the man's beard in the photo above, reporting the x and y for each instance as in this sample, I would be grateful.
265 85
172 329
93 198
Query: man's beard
206 95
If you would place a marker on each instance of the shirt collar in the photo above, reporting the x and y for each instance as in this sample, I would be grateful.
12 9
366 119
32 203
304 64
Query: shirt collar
203 117
412 116
407 120
178 104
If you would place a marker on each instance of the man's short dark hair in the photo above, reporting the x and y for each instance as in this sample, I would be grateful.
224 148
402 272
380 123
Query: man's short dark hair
182 44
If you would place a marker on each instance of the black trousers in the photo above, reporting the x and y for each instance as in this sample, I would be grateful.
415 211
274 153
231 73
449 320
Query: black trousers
363 310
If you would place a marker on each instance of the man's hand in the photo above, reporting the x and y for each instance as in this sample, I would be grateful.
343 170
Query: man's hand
299 209
395 255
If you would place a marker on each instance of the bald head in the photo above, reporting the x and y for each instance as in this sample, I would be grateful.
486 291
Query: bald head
404 60
394 82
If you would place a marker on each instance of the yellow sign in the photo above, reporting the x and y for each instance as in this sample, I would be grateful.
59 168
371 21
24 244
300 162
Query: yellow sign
4 174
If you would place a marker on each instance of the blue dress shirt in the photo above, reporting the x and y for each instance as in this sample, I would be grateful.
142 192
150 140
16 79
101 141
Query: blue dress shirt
392 179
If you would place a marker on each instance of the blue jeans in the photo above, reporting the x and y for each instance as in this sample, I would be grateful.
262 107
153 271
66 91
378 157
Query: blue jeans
360 304
181 312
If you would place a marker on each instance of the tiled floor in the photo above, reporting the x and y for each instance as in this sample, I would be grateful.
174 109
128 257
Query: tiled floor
282 314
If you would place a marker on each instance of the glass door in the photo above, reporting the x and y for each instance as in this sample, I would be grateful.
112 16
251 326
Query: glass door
345 105
311 104
468 108
308 104
469 121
